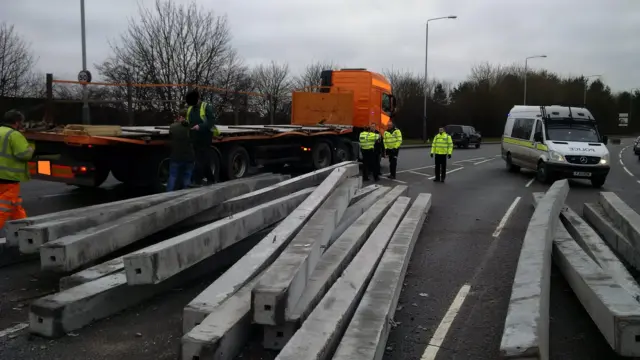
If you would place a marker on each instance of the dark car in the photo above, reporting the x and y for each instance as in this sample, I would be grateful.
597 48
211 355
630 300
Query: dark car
636 146
464 135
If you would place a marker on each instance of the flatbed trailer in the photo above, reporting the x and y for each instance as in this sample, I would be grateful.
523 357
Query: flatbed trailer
139 154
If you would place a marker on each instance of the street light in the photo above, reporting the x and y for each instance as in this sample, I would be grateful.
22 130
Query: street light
586 82
525 74
86 116
426 57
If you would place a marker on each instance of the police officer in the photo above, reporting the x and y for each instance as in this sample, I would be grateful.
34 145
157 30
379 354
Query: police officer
368 143
201 119
16 153
441 147
392 142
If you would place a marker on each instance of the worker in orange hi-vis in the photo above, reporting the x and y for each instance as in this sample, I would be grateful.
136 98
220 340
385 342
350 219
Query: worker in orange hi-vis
15 152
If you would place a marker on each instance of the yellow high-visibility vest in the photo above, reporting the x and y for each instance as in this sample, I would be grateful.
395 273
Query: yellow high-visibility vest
15 154
368 140
392 139
442 144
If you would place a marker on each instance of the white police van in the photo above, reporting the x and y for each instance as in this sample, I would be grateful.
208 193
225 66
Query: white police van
557 142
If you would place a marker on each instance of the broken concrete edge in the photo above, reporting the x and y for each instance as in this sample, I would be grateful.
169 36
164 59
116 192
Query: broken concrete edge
368 330
92 273
160 261
623 216
339 254
526 328
72 252
272 293
69 310
318 335
362 192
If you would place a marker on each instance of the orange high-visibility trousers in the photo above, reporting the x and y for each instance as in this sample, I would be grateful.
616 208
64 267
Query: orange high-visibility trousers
10 203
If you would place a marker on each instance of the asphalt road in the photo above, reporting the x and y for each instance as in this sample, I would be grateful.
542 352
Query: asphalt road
462 266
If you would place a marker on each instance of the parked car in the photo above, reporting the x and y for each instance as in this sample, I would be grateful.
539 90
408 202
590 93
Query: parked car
636 146
463 135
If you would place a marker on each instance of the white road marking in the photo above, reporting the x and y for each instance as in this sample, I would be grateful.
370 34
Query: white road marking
470 160
441 332
448 172
408 170
506 217
483 161
13 329
627 170
418 173
530 182
398 181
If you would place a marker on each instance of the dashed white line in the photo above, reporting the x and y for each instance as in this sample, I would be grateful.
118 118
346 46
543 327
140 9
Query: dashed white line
417 173
530 182
448 172
483 161
627 170
13 329
441 332
506 217
398 181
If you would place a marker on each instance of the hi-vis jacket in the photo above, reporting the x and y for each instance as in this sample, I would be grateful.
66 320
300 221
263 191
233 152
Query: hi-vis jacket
15 154
368 140
204 123
392 139
442 144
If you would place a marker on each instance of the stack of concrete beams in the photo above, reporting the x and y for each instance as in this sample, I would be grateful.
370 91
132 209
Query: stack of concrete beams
237 216
601 282
323 266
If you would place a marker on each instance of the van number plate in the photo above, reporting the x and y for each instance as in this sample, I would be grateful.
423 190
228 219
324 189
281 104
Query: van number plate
583 174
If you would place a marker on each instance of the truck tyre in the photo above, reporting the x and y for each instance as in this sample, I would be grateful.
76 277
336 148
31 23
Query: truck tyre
598 181
342 152
99 177
321 155
510 166
236 164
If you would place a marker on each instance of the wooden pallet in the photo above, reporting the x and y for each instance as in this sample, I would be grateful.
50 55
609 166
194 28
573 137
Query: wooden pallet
92 130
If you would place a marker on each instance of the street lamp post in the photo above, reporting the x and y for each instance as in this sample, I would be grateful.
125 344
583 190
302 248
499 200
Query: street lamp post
426 57
526 60
86 116
586 83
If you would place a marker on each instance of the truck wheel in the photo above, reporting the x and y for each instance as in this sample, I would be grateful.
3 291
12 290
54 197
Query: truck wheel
598 181
237 163
99 177
321 155
342 152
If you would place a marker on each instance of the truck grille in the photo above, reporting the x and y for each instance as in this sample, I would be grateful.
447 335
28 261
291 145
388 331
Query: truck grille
583 160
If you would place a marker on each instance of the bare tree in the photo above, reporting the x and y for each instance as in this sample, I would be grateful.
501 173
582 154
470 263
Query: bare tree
172 44
311 76
272 81
16 63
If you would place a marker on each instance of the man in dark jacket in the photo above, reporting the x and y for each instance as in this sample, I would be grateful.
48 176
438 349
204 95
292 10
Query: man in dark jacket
201 119
182 154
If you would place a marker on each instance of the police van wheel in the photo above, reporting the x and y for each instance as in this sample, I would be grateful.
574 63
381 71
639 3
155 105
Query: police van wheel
598 182
477 145
510 166
542 173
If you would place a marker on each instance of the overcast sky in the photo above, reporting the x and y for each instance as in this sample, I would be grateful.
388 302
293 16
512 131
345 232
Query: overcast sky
578 36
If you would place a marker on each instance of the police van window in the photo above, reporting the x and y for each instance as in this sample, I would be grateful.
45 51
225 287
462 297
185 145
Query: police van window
538 132
386 103
572 133
522 129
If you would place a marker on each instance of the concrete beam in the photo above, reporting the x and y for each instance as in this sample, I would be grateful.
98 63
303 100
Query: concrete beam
258 259
73 251
597 217
319 334
284 281
598 250
611 307
92 273
354 211
160 261
331 265
74 308
362 192
526 328
623 216
224 331
368 331
12 227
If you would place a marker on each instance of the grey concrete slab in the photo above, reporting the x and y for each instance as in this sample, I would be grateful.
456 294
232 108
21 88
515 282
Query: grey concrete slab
160 261
92 273
623 216
72 252
283 282
526 328
362 192
597 217
354 211
57 314
319 335
224 332
367 333
12 227
257 260
331 265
